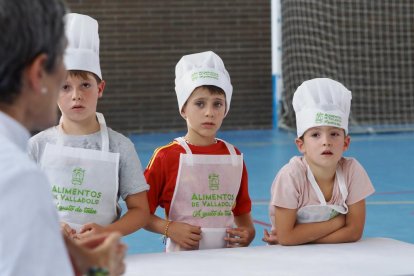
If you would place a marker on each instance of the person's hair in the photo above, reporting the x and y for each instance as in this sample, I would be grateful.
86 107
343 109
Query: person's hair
303 135
84 75
28 28
214 90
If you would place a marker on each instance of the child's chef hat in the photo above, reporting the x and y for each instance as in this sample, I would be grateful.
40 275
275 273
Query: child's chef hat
199 69
82 52
321 102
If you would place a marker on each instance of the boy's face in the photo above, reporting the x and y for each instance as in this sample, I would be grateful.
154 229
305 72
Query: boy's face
204 112
323 146
78 97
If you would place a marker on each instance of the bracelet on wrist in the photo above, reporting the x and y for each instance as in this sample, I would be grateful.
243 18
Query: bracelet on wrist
166 231
97 271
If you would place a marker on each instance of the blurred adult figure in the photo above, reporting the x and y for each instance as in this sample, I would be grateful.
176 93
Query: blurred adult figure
32 44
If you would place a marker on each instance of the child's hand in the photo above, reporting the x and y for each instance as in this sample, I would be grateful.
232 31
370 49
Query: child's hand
67 230
270 238
90 229
185 235
238 237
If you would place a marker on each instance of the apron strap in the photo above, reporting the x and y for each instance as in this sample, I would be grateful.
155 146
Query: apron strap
315 186
232 152
187 149
103 129
59 141
342 186
182 143
104 132
341 182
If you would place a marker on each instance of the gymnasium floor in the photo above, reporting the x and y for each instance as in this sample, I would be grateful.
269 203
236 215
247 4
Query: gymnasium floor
386 157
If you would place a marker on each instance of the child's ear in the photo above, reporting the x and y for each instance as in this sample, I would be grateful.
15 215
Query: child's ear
183 114
101 87
347 141
299 144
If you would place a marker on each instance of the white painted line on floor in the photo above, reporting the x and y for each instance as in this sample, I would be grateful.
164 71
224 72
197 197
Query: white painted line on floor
406 202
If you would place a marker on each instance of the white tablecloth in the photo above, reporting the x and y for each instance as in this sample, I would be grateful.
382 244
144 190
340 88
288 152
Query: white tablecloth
372 256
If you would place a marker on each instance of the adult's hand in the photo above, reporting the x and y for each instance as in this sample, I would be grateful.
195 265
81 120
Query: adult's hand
104 251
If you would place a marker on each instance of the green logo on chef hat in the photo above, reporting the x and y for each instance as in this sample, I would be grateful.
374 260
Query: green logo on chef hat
213 181
328 119
77 176
204 75
319 118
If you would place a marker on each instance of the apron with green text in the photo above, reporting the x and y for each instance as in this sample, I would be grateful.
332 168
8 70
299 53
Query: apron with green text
84 181
205 193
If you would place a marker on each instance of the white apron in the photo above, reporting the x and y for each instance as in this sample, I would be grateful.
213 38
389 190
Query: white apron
324 211
205 193
84 181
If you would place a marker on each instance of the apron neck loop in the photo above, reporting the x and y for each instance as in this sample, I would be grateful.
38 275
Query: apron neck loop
341 181
315 186
339 176
182 143
103 130
232 152
187 149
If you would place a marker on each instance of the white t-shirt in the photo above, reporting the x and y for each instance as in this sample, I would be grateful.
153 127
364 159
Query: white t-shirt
291 188
30 239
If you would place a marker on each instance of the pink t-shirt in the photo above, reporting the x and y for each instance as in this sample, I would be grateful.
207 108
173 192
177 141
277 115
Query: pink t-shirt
291 188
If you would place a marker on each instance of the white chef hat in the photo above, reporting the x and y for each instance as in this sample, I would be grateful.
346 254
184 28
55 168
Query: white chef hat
82 52
199 69
321 102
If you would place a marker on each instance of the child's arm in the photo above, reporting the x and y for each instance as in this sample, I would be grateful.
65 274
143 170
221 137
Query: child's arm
185 235
135 218
291 233
360 187
243 234
353 228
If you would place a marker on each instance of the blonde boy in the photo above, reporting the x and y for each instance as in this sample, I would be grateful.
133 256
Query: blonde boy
90 166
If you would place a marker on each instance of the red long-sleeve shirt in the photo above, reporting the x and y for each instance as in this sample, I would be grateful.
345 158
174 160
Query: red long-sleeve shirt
161 175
